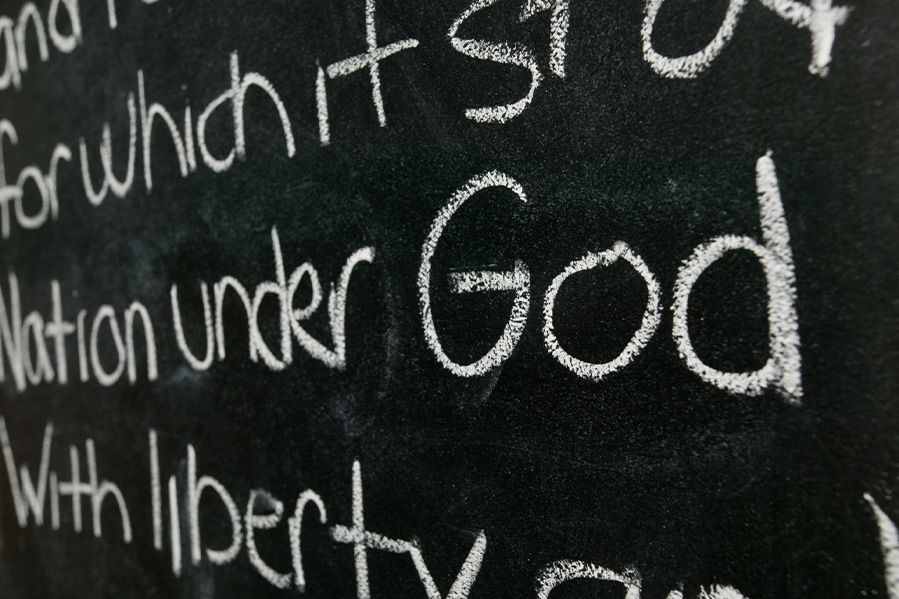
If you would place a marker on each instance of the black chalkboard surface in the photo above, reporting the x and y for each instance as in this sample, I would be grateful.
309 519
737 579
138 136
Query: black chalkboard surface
444 300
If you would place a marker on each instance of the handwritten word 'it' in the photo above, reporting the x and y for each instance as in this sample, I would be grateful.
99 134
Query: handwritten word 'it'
781 372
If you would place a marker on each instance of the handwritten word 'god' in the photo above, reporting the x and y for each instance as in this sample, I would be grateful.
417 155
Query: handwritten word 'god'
781 372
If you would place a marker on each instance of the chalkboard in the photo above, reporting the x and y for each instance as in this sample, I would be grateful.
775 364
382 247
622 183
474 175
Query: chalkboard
445 300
